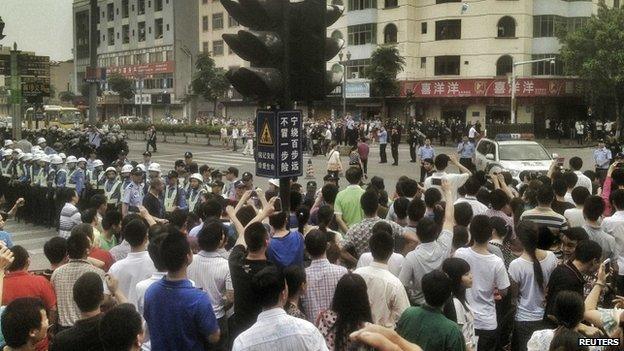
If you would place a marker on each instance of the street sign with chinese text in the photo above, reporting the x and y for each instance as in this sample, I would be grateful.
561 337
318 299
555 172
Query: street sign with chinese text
279 152
35 89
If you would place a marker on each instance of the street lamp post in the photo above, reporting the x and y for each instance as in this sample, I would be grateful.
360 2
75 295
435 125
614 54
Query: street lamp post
344 81
513 82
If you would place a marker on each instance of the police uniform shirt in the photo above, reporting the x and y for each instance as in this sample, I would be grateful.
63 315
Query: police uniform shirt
466 149
112 190
426 152
602 157
193 197
133 195
61 177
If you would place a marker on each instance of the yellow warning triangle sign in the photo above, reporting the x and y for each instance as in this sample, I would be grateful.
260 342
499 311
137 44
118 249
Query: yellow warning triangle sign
266 137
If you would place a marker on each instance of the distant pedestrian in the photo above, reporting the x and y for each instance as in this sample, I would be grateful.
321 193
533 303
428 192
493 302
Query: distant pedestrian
235 136
425 152
395 139
383 142
151 138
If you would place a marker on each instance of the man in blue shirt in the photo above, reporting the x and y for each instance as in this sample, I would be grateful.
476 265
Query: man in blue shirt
133 193
383 142
466 152
179 316
425 152
602 159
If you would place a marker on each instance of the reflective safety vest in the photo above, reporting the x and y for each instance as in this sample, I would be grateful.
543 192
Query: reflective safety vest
193 199
94 177
171 194
50 179
68 183
40 178
112 190
6 168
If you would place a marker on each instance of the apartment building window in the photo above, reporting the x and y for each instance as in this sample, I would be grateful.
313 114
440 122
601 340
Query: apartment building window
506 27
503 65
362 34
448 29
158 5
97 16
445 1
205 23
141 31
99 38
423 62
232 22
390 34
141 7
546 25
355 5
125 33
81 21
156 57
110 12
423 28
111 36
574 23
391 3
125 7
217 20
616 4
357 68
158 28
205 47
217 47
139 59
545 68
447 65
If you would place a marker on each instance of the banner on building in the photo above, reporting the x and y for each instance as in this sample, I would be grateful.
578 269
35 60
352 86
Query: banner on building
357 88
143 70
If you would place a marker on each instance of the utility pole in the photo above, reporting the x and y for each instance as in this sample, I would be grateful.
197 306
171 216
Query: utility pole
16 93
93 46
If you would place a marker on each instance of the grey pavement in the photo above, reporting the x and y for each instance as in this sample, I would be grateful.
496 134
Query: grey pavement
33 238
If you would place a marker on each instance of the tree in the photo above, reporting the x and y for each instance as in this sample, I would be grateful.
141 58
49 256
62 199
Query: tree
386 63
121 85
84 90
67 96
209 81
595 52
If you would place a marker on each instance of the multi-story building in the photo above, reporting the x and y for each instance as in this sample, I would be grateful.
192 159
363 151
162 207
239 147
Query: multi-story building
459 56
61 78
152 42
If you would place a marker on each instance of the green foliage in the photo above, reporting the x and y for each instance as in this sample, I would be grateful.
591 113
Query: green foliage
121 85
67 96
386 63
209 81
595 52
175 128
84 90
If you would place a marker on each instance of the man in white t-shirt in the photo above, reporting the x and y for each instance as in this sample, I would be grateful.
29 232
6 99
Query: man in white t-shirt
575 215
234 138
472 186
576 163
472 133
456 180
489 277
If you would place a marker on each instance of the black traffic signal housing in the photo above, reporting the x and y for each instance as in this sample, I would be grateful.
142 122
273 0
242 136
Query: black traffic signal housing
286 46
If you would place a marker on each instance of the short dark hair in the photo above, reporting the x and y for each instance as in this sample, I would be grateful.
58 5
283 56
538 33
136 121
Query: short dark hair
498 199
20 258
77 246
617 199
119 327
416 210
174 250
353 175
19 318
329 191
400 206
381 242
409 187
316 243
211 234
436 287
211 208
255 236
278 220
295 275
462 213
593 207
576 163
97 200
426 230
558 186
472 186
618 176
570 178
55 249
88 292
545 194
580 194
480 229
577 234
135 233
569 308
153 249
432 197
267 286
441 162
587 250
88 215
246 214
110 219
369 202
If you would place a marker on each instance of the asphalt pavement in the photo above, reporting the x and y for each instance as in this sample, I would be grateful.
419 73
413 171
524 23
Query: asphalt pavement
33 238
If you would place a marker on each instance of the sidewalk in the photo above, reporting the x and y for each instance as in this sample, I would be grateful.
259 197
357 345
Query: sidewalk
566 144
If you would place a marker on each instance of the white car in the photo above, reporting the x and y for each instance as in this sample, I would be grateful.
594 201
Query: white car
513 153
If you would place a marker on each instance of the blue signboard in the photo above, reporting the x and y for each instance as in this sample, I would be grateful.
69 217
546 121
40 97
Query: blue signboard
279 151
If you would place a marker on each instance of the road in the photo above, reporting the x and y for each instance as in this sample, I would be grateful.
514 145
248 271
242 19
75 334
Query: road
33 238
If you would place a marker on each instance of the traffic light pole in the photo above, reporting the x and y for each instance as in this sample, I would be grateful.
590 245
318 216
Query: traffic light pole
93 39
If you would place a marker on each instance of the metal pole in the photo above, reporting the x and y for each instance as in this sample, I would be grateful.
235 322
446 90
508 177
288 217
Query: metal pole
513 93
286 102
93 39
344 90
141 97
16 94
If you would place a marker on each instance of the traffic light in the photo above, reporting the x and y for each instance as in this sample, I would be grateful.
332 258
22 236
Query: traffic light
286 46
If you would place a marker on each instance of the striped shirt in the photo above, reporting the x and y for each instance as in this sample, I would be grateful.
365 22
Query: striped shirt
70 217
211 273
546 217
322 278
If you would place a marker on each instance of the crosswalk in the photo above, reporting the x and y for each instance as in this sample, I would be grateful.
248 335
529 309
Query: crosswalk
218 158
32 238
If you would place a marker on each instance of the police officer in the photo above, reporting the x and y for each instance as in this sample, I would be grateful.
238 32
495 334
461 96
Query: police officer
466 152
195 191
95 179
413 140
112 188
125 179
6 167
425 152
395 140
602 160
174 196
134 193
75 176
55 164
154 171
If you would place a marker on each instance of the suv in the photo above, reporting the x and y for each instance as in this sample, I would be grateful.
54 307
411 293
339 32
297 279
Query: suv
513 153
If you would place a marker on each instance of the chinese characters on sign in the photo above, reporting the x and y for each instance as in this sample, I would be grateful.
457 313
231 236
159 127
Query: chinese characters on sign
279 151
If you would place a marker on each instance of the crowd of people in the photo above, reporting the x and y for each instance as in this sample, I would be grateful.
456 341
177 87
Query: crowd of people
198 258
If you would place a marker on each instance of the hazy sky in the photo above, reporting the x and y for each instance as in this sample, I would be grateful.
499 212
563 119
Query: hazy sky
42 26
